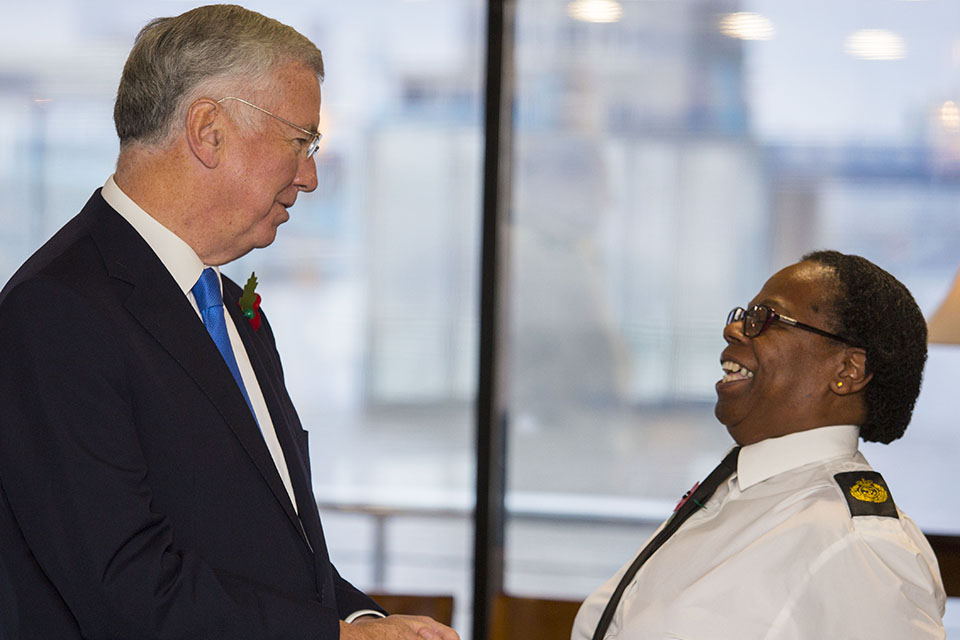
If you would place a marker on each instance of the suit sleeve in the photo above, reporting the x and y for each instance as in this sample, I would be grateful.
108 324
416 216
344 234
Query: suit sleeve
78 486
350 599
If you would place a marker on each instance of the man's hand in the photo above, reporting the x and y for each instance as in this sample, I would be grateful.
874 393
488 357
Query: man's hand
397 628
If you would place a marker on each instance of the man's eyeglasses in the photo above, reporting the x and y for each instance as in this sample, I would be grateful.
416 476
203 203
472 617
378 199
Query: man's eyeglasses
315 136
757 318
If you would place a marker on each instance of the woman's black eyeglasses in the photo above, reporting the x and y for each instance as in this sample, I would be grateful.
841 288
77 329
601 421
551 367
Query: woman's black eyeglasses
757 318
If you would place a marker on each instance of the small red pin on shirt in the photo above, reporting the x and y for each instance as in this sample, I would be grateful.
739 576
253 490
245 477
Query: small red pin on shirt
686 497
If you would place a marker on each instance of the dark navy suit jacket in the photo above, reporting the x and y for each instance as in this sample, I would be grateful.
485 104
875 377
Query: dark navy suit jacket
138 499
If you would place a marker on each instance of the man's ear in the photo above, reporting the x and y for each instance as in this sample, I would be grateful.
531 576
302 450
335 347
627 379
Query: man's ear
852 374
205 131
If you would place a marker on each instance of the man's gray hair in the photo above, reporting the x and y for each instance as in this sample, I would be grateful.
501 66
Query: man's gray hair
208 48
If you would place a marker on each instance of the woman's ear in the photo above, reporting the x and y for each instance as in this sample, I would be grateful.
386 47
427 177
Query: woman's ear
852 374
205 131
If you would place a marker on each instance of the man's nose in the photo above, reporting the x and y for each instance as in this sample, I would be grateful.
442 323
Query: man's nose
306 178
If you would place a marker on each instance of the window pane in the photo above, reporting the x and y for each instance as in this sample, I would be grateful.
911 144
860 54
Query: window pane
666 166
371 287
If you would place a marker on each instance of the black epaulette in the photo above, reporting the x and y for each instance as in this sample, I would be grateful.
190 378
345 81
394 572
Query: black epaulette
867 494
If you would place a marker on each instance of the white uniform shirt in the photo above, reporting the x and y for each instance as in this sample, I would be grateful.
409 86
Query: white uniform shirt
185 266
776 555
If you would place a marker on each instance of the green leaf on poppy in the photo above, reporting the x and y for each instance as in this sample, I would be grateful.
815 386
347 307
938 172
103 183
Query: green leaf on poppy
249 293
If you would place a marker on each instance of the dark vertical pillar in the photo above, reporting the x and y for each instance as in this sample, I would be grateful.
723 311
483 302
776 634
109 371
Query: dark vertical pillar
491 405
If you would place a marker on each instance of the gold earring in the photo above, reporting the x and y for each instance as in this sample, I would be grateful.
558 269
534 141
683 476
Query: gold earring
840 384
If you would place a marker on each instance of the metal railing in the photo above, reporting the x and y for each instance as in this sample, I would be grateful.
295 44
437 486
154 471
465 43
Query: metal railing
551 508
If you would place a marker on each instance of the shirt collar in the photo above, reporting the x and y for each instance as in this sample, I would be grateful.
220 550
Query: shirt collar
767 458
176 255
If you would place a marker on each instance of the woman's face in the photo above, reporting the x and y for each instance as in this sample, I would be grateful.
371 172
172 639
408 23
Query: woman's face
783 385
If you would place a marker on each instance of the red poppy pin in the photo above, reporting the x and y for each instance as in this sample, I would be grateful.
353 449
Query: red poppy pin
687 496
250 302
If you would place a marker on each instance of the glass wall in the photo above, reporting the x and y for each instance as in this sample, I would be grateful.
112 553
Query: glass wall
670 156
372 286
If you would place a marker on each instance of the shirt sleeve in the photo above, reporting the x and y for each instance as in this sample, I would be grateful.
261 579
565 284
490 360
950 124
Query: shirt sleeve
361 613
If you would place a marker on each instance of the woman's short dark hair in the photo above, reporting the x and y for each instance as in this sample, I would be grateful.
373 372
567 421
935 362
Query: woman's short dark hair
876 311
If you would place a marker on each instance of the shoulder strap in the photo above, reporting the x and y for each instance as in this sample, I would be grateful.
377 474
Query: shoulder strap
867 494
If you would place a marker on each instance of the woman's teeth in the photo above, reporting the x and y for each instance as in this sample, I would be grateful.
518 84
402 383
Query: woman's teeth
734 372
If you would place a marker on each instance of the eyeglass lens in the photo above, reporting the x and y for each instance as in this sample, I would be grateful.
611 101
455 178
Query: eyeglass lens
755 319
314 145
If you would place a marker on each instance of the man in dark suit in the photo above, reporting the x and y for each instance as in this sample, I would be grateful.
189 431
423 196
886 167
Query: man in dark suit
154 475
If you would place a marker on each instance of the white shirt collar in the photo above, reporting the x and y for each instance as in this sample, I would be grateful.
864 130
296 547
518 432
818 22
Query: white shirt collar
176 255
765 459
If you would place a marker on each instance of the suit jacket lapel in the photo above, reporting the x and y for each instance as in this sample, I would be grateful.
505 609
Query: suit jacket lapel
287 426
283 415
160 307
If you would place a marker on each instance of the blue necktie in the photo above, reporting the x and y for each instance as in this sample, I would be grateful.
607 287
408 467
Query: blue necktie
210 301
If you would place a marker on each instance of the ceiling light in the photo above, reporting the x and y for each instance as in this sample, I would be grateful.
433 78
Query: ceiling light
745 25
595 10
950 116
875 44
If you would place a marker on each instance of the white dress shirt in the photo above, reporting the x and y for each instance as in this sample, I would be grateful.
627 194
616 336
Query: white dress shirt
185 266
776 555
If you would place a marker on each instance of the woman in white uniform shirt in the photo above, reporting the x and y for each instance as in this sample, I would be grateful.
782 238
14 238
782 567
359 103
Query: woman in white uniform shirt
803 540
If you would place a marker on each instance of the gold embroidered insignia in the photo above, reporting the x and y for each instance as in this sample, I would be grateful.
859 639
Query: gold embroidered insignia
866 494
868 491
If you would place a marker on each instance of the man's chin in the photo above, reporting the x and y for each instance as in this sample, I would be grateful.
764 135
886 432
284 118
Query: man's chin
266 239
268 233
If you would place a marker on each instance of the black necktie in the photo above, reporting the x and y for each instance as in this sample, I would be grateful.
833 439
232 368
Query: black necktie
691 504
